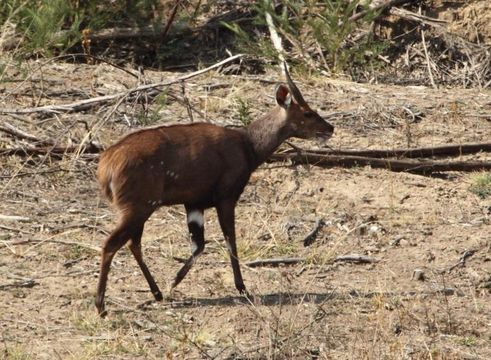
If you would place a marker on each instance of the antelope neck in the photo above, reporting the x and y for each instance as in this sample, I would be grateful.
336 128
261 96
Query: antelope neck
267 133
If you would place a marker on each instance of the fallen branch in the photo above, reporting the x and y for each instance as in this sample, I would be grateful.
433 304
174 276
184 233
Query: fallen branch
467 254
422 152
356 258
14 218
28 283
380 7
274 262
412 16
89 103
312 236
20 134
42 172
428 61
412 166
55 151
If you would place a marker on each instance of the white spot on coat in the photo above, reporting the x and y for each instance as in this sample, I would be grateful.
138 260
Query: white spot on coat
196 216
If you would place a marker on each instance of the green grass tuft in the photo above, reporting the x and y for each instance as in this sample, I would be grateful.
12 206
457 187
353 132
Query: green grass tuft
481 185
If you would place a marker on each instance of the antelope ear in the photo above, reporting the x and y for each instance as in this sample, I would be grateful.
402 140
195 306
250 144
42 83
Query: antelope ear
283 96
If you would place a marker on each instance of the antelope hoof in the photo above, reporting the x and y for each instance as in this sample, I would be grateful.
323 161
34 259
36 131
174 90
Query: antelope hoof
243 291
240 287
158 296
101 310
170 293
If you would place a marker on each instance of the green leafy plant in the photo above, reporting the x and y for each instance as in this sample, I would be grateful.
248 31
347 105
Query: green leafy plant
151 117
44 24
481 185
244 111
49 26
317 33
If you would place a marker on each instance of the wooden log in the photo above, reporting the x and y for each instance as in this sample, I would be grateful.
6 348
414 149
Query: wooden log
426 167
421 152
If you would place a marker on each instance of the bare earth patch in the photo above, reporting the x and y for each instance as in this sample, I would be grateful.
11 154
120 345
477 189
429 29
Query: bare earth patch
320 308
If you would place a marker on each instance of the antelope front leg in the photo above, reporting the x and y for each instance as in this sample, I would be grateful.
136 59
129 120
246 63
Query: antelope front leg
226 217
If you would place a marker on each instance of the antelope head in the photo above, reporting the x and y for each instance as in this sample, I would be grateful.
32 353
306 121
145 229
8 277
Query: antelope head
302 121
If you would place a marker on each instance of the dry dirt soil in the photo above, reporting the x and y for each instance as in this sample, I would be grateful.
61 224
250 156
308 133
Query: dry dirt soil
320 308
53 221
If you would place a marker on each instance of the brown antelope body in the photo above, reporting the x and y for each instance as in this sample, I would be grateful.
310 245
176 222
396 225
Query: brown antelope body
198 165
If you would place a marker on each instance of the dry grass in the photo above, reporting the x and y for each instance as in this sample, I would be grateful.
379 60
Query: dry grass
317 309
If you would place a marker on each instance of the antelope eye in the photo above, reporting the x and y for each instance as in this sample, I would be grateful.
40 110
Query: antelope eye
309 114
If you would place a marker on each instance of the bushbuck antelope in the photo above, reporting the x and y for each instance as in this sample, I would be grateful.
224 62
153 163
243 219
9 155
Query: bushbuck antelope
199 165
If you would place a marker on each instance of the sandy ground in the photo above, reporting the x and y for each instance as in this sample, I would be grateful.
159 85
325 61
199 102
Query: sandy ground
320 308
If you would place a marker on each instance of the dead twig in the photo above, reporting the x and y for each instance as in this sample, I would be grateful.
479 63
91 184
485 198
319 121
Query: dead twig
89 103
467 254
356 259
55 151
169 22
8 228
428 61
186 102
41 172
21 134
14 218
412 16
312 236
380 8
274 262
27 283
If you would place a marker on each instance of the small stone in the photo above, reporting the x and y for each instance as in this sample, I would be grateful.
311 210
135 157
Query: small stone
397 240
362 230
403 242
427 232
447 291
430 256
418 275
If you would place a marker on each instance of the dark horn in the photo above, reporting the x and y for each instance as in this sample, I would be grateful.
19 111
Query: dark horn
293 88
